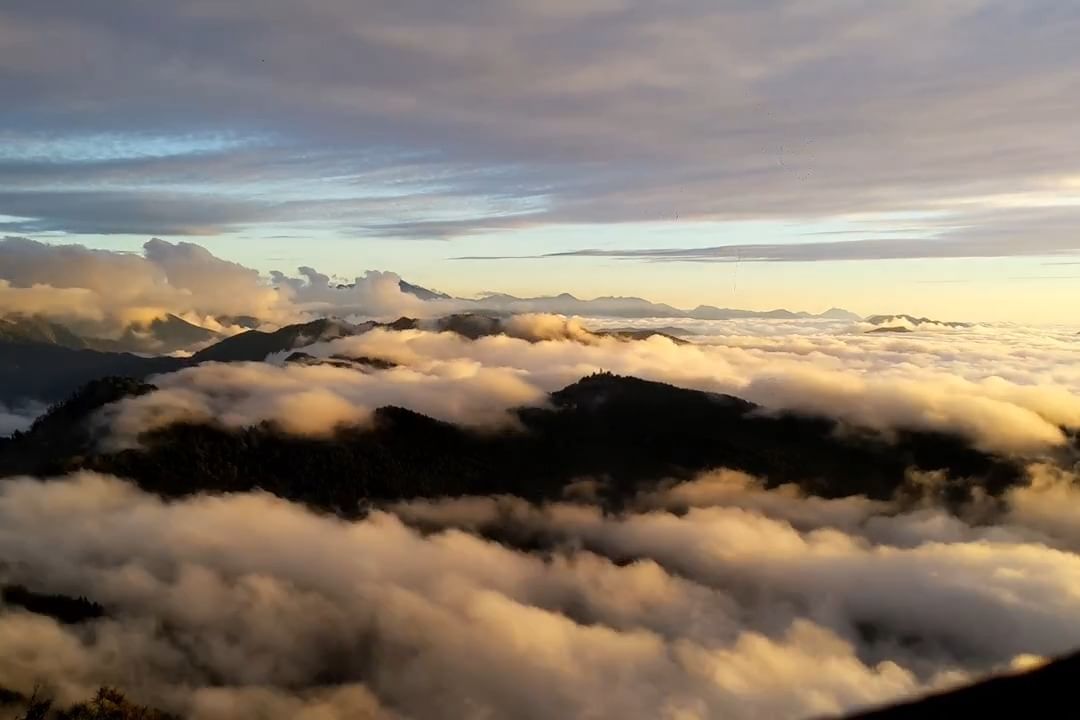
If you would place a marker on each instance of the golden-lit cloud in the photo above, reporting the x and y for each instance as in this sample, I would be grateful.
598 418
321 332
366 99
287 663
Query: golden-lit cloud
750 603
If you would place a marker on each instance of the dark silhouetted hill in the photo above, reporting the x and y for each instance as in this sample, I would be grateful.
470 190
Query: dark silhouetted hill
626 432
58 440
1048 692
37 365
158 336
894 320
890 329
48 373
64 609
422 292
33 329
640 334
255 345
107 704
161 335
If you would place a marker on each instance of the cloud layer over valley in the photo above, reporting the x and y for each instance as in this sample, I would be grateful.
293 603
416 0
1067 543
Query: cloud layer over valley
1007 389
750 603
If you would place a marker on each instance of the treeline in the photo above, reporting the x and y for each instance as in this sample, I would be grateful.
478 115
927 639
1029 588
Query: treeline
107 704
62 608
623 431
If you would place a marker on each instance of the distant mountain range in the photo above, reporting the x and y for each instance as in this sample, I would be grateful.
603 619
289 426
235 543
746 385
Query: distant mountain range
635 307
422 292
21 328
36 371
171 334
908 323
159 336
45 362
255 345
612 306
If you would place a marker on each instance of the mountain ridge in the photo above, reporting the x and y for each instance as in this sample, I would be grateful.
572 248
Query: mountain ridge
635 307
161 335
1046 692
31 370
624 431
889 320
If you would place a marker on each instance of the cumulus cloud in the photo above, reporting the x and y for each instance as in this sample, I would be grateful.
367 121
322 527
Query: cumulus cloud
1049 504
724 530
712 598
104 292
375 294
536 327
316 399
39 299
1010 391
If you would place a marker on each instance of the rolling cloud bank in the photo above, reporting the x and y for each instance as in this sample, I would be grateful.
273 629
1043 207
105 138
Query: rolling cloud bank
694 588
750 603
1010 391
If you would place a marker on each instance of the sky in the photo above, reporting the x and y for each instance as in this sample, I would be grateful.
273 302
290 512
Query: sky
884 157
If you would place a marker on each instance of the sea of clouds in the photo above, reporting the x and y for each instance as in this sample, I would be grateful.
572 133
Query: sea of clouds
1006 389
711 598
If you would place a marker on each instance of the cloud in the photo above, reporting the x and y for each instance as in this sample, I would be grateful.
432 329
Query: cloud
1049 504
571 112
752 603
74 303
1006 390
724 530
1006 387
375 294
315 400
101 292
998 234
121 212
